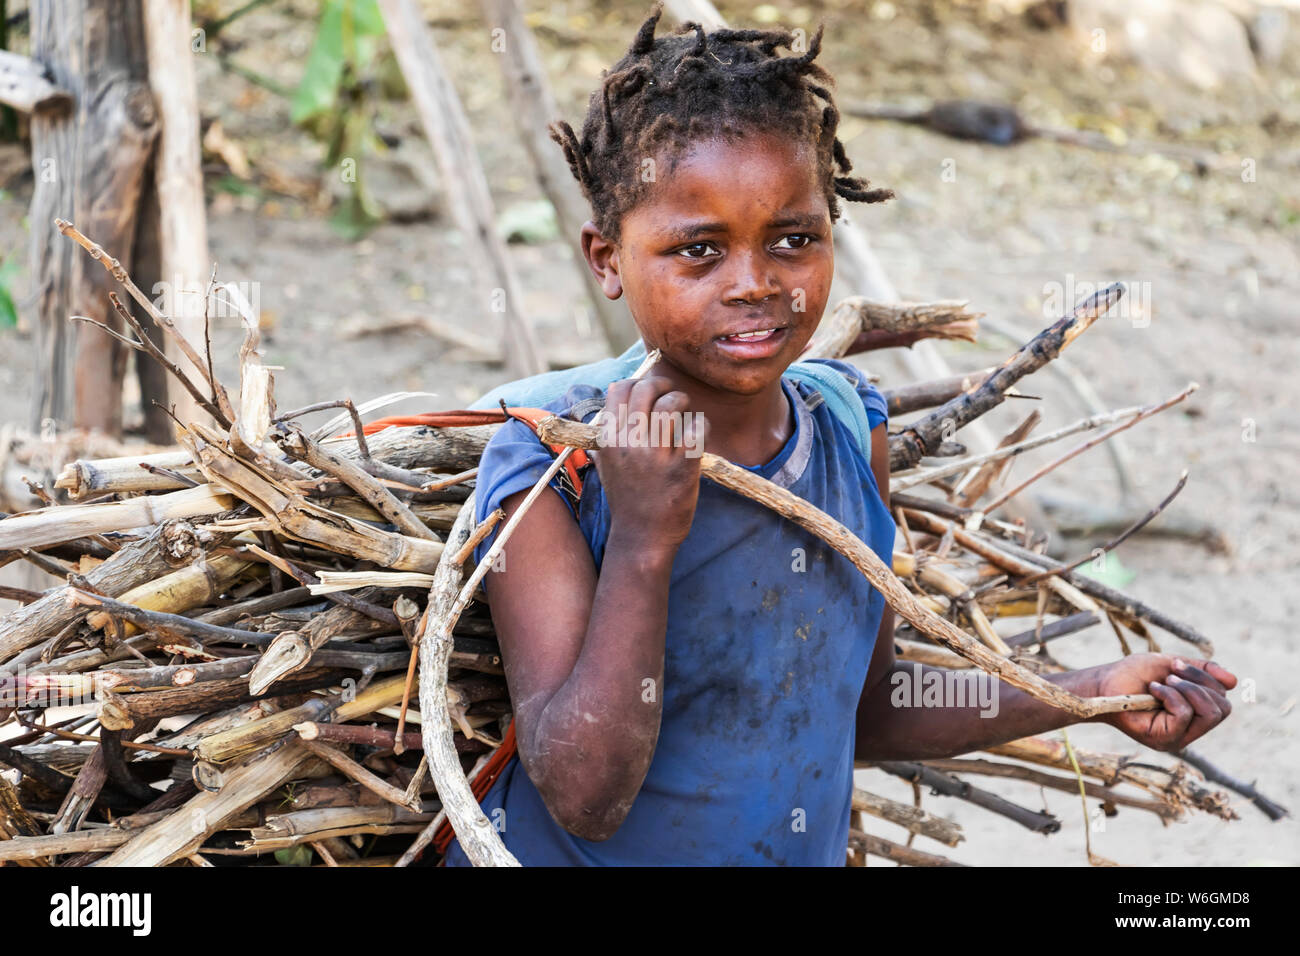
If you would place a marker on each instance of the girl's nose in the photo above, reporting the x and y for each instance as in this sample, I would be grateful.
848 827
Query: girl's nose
751 280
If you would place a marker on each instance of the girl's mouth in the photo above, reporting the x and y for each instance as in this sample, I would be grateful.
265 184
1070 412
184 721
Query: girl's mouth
754 344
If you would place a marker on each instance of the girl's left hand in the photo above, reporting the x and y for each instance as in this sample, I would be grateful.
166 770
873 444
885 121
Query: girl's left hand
1194 695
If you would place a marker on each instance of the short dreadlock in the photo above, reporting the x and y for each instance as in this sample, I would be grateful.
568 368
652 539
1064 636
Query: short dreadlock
670 90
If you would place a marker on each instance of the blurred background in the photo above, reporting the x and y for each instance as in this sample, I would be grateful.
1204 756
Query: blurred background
1152 142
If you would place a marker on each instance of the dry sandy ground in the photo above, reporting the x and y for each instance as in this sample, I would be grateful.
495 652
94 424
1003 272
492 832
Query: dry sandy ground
1213 259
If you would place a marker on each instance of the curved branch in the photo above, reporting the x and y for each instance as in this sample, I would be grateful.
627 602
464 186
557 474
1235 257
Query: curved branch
477 837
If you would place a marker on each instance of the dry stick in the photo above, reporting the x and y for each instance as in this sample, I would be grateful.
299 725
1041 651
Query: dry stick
1175 784
128 744
1022 562
973 485
1114 543
991 768
417 779
356 478
350 601
117 272
478 837
206 633
149 347
561 431
69 522
429 832
352 734
173 837
292 515
354 771
1274 811
407 611
903 855
1080 449
925 435
450 480
912 819
913 397
905 481
949 786
858 314
485 527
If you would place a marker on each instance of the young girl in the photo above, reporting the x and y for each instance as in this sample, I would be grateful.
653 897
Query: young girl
693 676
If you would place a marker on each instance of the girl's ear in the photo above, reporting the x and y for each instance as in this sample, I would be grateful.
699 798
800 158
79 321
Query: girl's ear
602 257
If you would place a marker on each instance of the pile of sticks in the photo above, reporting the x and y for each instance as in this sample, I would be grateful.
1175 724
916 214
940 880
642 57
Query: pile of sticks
230 672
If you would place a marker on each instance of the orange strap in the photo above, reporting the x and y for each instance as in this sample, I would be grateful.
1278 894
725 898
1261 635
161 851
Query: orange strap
573 465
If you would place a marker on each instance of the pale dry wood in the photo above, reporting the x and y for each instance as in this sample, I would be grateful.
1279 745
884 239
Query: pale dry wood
921 653
475 833
1177 786
1020 561
134 564
367 486
125 475
911 818
284 830
354 771
934 576
69 522
178 174
184 831
858 314
293 516
927 434
878 846
189 587
1145 413
990 768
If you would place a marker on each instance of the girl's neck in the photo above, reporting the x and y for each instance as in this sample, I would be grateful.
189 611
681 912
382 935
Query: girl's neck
746 429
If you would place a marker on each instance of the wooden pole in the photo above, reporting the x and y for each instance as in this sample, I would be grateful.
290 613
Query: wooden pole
182 223
533 106
466 186
89 164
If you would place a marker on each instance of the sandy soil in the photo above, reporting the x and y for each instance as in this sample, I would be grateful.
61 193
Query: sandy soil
1213 259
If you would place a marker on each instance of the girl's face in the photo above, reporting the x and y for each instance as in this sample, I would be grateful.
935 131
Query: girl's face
727 263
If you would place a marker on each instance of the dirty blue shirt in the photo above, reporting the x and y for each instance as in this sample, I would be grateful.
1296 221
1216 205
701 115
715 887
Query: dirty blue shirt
769 636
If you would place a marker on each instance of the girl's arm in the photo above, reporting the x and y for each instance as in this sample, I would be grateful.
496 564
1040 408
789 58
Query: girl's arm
987 712
584 654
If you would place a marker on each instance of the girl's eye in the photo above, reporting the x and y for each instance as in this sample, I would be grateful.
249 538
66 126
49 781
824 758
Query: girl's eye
796 240
696 250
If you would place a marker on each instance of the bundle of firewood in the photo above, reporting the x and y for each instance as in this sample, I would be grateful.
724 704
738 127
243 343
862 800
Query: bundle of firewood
230 672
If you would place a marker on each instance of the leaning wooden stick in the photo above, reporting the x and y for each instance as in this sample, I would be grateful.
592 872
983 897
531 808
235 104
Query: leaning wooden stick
562 431
923 437
115 269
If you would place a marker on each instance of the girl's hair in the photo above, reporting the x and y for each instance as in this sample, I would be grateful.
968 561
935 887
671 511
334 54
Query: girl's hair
667 91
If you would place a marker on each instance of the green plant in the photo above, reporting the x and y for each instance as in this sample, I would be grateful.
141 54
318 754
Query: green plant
8 311
335 102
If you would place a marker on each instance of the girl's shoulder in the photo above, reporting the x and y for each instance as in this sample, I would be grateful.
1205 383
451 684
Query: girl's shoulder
872 397
515 459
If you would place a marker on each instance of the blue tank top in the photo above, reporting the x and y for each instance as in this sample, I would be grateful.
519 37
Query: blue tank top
769 636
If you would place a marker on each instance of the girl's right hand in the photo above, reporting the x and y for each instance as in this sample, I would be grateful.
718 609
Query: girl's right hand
650 481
